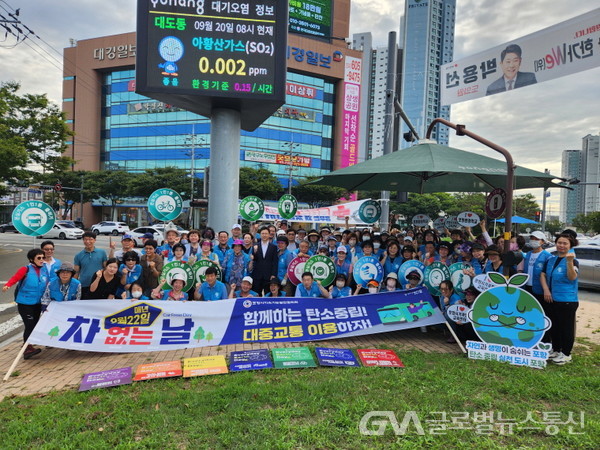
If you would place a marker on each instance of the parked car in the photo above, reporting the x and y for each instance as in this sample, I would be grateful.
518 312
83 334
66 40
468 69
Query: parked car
114 228
589 264
137 234
75 223
63 231
8 228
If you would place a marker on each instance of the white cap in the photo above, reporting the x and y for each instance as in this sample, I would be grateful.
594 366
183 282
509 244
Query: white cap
179 277
408 238
280 233
539 235
248 279
236 225
342 248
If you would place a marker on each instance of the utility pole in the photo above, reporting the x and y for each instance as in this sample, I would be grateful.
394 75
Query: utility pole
290 168
544 205
192 142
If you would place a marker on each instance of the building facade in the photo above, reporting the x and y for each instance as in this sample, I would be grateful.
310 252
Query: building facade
117 129
427 41
590 148
571 202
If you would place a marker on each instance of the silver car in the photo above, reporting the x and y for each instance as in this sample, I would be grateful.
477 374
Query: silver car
589 264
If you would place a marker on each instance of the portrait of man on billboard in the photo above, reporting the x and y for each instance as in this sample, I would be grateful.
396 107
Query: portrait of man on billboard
510 61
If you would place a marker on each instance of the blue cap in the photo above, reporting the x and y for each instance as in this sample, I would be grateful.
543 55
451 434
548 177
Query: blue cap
127 236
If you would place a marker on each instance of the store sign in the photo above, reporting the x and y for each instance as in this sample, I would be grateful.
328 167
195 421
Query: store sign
150 107
311 17
300 91
311 57
351 113
115 52
273 158
304 115
202 56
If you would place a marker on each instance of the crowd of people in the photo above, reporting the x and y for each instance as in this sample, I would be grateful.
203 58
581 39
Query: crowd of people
255 263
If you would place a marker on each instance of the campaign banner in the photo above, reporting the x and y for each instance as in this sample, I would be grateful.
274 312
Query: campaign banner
562 49
122 326
335 214
351 111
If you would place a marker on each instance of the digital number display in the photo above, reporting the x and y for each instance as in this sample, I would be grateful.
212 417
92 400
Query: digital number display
232 53
311 17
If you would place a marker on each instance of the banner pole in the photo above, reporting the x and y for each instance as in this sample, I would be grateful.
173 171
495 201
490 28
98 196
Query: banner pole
464 350
15 362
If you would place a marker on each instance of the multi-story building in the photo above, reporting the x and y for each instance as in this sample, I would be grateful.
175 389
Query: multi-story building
116 128
571 201
427 41
590 148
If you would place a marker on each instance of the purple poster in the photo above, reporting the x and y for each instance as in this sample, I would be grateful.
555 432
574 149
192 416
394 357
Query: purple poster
339 357
250 360
106 378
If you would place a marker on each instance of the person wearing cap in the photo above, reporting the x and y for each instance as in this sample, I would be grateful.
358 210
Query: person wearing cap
236 265
222 247
50 262
339 288
313 241
430 254
372 288
283 225
129 271
332 245
343 265
323 251
494 262
245 289
175 293
311 288
172 238
464 330
236 233
391 260
324 233
275 289
88 261
127 245
444 250
533 265
206 253
477 260
301 234
408 254
284 258
414 279
177 253
211 289
390 283
265 261
145 237
63 288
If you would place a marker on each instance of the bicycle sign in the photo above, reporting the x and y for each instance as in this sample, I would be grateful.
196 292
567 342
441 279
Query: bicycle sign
33 218
165 204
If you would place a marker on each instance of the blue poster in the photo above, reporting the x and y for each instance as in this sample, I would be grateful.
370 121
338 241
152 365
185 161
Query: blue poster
250 360
336 357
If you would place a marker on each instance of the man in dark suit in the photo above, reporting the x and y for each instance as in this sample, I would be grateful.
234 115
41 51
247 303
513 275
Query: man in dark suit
510 61
264 262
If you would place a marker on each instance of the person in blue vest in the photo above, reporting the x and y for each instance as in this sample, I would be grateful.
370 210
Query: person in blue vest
284 258
176 292
50 262
237 264
311 288
559 283
212 289
32 280
390 283
275 289
172 239
392 260
533 265
136 292
448 298
342 263
222 247
494 263
63 288
339 288
245 289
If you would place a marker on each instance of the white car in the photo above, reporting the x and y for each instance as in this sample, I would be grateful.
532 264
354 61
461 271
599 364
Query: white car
114 228
137 234
63 231
589 264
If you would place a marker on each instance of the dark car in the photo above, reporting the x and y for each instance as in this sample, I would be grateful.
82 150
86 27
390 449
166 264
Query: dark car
8 228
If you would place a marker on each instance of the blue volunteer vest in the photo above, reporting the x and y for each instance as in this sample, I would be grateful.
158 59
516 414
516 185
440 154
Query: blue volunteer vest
57 295
32 287
562 289
538 268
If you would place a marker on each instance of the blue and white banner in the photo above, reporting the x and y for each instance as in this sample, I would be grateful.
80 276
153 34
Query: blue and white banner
124 326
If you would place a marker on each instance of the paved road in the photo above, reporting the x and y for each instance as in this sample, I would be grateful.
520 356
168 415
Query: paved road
13 250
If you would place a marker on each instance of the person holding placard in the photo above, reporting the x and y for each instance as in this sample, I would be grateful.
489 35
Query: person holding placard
339 288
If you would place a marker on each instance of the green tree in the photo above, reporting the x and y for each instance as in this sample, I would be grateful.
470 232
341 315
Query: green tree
199 335
554 226
468 201
317 195
525 206
595 219
430 204
145 183
32 131
583 222
113 185
260 182
54 332
209 336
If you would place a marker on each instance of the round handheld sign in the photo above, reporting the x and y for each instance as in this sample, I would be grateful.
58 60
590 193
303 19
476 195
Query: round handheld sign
439 224
287 206
468 219
369 211
421 220
296 269
367 268
33 218
460 281
199 270
435 273
408 267
451 222
495 203
252 208
165 204
177 268
458 313
322 268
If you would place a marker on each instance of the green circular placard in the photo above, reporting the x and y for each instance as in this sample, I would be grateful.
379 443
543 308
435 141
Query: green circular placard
165 204
369 211
177 268
435 273
288 206
322 268
33 218
252 208
199 268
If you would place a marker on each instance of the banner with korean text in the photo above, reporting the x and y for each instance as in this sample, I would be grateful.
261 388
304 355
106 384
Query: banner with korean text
335 214
562 49
124 326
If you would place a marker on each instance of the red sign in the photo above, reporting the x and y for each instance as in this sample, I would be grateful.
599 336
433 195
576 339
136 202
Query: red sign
300 91
382 358
302 161
495 203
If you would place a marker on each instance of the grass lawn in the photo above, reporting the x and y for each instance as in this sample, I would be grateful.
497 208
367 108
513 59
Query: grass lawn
320 407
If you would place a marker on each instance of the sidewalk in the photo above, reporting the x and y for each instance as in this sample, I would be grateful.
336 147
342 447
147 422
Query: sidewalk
57 369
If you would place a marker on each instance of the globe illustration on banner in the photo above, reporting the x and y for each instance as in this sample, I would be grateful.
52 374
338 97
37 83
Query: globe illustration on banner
508 315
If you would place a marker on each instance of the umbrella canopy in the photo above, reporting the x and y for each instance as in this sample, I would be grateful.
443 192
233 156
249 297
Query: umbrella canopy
518 219
430 167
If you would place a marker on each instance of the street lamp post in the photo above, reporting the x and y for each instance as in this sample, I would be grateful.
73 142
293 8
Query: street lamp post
192 142
290 168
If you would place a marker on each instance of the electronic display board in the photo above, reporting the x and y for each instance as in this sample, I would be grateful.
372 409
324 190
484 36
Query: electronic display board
205 54
311 17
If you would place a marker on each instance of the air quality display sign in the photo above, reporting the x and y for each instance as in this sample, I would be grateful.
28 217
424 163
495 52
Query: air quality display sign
200 55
